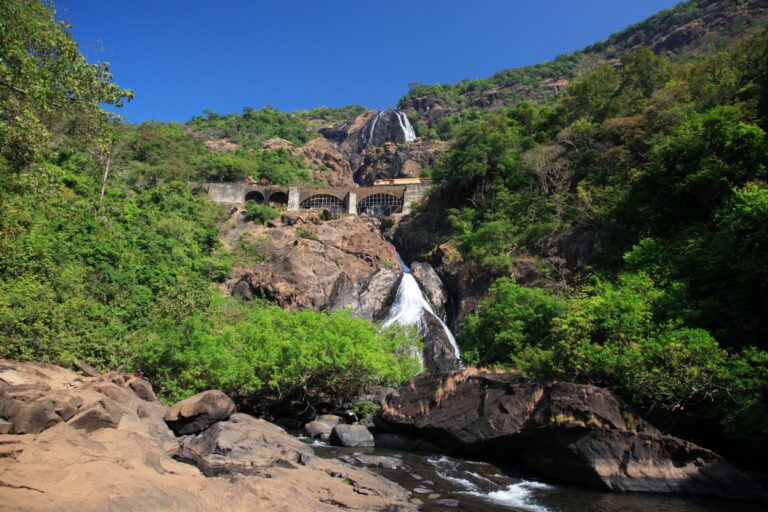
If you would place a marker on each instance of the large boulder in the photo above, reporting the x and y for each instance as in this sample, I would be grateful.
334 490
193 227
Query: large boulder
198 412
439 353
351 435
571 432
318 430
368 297
245 445
431 285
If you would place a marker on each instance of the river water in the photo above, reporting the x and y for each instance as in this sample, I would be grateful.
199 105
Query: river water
482 487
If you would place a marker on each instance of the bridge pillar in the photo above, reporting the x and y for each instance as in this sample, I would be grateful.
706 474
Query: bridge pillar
352 203
412 194
293 199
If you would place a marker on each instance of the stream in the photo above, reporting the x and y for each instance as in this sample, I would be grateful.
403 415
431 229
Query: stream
483 487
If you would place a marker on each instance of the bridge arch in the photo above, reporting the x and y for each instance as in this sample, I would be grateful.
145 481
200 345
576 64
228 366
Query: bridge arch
380 205
278 197
323 201
254 195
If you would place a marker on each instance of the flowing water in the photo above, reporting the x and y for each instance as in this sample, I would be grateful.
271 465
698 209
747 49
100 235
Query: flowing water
408 132
411 305
484 487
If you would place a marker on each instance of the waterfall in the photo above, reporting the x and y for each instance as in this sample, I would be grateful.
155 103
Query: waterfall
408 132
411 305
373 126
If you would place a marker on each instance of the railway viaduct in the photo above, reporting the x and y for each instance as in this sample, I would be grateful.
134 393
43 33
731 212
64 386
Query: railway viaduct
376 201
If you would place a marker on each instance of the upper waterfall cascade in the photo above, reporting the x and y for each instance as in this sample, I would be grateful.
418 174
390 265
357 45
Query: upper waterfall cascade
411 305
408 132
382 127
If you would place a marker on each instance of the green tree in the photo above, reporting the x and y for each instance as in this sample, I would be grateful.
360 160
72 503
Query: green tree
44 80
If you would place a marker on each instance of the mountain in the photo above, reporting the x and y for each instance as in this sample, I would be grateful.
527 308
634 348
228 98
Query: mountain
689 30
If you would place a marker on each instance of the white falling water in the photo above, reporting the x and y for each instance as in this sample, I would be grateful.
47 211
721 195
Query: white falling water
373 126
410 306
405 124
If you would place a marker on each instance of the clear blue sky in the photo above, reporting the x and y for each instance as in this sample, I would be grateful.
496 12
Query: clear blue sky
181 57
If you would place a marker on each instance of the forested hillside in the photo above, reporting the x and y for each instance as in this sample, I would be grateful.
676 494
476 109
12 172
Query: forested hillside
640 195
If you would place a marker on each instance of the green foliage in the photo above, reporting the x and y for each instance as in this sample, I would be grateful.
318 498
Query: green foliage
511 319
247 348
260 213
252 128
328 115
45 81
364 408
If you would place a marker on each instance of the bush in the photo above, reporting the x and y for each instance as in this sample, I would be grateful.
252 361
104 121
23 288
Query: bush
244 348
260 213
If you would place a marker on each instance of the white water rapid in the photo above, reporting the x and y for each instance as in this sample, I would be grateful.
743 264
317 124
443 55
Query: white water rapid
408 132
411 305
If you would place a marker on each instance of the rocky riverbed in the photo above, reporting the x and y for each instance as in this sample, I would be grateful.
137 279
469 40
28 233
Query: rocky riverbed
104 442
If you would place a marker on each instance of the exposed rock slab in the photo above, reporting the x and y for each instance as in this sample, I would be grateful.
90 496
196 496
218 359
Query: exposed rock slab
245 445
129 466
578 433
311 263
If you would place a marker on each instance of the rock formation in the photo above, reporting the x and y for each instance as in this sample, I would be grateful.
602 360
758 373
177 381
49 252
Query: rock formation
571 432
92 444
391 160
318 264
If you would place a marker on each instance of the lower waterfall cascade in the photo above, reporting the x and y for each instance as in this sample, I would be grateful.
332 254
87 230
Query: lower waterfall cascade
410 306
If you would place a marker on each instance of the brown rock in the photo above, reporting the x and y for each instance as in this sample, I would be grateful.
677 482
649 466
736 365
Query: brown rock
317 429
143 389
130 467
306 261
104 414
578 433
198 412
6 427
245 445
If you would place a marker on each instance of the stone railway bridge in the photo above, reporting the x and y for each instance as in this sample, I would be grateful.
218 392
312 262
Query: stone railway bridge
375 201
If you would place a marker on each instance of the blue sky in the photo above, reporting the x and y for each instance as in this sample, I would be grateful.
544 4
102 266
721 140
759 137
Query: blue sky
181 57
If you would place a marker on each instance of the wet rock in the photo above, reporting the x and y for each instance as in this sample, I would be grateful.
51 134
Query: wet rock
431 285
351 435
198 412
368 297
405 442
318 429
447 502
378 461
571 432
439 354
